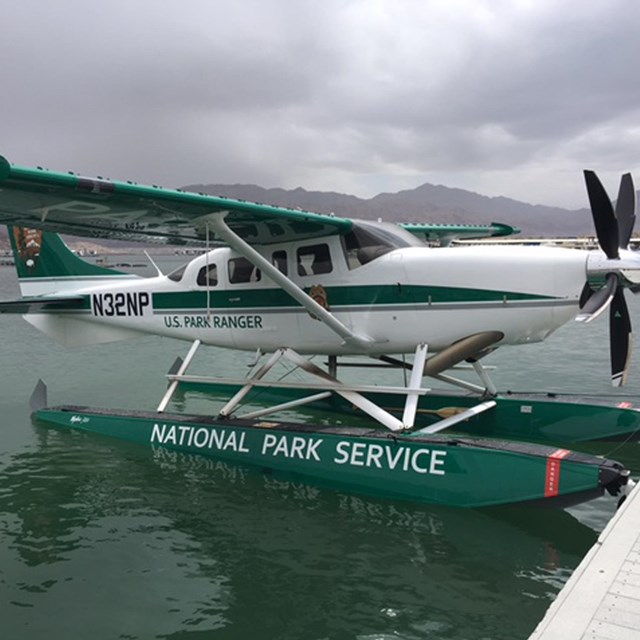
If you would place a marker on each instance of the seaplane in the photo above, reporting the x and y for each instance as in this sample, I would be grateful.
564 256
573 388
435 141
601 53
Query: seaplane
290 286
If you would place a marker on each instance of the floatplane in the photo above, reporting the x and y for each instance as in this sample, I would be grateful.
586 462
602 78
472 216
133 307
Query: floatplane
290 285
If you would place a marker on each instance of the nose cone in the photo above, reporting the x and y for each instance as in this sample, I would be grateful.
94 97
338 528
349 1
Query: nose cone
627 266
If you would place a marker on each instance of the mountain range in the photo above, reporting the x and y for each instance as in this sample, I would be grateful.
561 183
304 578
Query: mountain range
426 203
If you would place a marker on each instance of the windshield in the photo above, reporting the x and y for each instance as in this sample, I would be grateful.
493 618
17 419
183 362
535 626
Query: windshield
176 274
367 241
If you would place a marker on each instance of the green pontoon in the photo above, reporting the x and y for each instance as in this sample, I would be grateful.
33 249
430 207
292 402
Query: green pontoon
458 471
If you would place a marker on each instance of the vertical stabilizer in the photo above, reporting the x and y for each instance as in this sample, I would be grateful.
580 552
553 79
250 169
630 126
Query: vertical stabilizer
46 265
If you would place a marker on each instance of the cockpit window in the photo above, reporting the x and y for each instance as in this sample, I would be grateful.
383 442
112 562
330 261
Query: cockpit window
241 270
366 242
176 274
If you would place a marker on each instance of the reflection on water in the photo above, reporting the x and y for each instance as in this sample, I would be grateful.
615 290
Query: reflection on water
176 543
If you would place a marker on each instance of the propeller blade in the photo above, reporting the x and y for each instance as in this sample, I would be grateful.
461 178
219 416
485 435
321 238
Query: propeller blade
626 210
604 218
620 338
599 301
585 294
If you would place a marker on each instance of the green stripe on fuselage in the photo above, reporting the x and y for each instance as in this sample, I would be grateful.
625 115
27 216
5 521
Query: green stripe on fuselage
337 297
371 296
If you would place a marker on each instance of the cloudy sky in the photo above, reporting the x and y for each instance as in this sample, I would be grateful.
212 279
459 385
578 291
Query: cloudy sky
502 97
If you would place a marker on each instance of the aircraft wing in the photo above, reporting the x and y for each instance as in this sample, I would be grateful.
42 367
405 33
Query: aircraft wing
100 208
446 233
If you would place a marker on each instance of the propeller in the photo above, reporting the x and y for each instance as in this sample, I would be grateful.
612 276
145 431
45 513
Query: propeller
604 217
593 303
626 210
613 230
619 338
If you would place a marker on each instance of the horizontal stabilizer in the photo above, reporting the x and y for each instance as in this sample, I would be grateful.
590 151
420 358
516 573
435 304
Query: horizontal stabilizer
33 305
73 332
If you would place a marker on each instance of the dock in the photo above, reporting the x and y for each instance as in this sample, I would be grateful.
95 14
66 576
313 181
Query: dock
601 600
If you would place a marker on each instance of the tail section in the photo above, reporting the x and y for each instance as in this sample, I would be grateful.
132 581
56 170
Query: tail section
54 283
45 264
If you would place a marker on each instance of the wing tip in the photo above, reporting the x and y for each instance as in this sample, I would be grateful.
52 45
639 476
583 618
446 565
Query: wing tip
5 168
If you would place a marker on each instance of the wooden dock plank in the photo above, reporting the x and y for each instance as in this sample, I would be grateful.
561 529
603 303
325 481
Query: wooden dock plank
619 610
604 631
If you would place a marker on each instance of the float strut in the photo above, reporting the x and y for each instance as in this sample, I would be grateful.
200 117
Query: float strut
377 413
411 403
486 380
174 384
231 406
286 405
333 366
453 420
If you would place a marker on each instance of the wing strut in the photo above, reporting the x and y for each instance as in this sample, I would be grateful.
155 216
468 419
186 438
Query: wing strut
219 226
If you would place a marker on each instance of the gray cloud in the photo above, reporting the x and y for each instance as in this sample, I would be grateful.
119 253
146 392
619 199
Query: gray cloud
506 98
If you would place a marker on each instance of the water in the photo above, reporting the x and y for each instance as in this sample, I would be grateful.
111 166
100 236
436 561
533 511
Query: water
105 539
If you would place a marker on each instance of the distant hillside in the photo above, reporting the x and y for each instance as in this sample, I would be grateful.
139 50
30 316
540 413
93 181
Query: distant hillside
426 203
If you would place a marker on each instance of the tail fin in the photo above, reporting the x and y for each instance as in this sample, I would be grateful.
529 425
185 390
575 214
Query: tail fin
46 265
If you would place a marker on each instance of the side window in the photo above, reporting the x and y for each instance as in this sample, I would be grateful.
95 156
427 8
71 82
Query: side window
314 259
208 276
279 260
241 270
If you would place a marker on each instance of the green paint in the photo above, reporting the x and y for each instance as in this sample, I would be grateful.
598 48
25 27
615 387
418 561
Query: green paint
439 469
431 230
5 168
44 255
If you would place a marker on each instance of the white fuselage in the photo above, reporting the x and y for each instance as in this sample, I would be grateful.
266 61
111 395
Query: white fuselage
405 297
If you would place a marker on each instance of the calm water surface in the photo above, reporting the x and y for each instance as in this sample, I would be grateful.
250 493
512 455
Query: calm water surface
105 539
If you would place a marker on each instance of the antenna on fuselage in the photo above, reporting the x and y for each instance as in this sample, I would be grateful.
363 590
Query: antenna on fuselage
155 266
